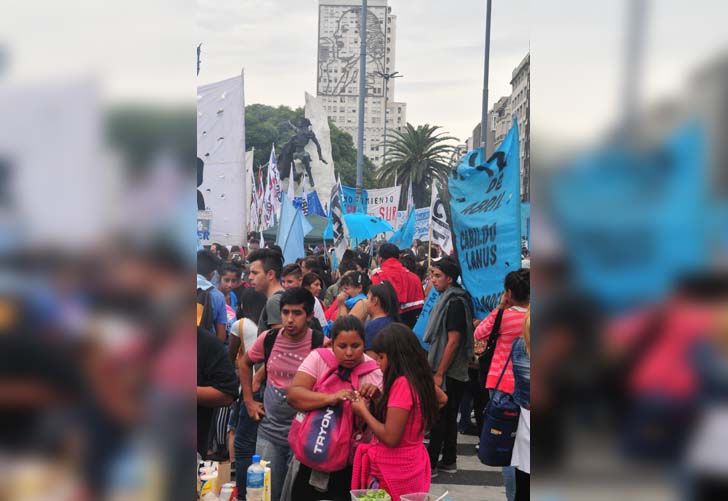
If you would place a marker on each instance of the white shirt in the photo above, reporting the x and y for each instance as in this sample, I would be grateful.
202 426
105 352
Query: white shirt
318 312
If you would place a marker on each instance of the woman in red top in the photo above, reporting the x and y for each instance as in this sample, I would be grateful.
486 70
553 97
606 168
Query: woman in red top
515 301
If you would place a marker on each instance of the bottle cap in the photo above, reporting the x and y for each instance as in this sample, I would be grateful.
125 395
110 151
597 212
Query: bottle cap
256 458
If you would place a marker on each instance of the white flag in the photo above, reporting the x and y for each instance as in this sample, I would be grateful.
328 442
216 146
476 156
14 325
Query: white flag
410 198
291 189
337 221
273 192
304 204
439 228
256 203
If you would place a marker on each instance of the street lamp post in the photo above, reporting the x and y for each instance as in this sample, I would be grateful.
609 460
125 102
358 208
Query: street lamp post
386 77
486 64
362 94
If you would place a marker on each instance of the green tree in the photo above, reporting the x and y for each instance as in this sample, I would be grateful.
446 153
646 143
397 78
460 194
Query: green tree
138 132
344 153
266 125
421 154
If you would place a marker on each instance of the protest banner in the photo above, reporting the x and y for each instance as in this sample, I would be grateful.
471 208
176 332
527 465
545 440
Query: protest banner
485 207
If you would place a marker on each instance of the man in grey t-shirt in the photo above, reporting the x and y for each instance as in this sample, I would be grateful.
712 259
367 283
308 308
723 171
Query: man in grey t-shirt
265 276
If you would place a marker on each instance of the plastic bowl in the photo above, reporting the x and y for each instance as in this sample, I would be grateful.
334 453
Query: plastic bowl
417 496
356 495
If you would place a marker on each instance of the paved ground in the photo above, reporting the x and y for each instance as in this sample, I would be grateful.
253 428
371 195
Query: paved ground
473 481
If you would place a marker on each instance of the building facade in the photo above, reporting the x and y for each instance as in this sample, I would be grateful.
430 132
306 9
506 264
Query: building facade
500 117
521 111
338 70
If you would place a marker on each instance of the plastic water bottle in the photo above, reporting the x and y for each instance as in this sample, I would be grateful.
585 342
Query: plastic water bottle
255 480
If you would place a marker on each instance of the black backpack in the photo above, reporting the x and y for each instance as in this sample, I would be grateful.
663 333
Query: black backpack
317 341
206 320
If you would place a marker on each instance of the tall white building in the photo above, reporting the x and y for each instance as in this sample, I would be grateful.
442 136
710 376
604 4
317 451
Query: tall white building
521 111
338 70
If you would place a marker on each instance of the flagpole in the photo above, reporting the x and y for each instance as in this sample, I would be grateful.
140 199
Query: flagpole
429 244
362 95
246 210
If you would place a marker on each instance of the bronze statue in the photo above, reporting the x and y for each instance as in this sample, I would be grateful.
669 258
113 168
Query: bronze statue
295 150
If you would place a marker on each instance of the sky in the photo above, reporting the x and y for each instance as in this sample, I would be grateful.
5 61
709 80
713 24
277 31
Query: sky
142 50
442 62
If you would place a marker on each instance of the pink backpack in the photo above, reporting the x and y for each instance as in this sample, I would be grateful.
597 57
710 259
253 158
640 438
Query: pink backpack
322 438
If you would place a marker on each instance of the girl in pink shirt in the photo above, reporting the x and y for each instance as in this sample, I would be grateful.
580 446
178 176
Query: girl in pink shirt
397 460
514 302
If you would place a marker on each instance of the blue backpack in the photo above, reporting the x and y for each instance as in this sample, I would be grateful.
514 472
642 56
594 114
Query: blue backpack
500 423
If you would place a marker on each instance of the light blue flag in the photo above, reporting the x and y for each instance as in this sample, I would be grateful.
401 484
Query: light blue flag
404 236
291 231
634 221
348 200
421 325
485 204
314 204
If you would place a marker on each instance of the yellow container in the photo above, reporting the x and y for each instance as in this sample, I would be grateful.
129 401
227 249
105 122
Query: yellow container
266 480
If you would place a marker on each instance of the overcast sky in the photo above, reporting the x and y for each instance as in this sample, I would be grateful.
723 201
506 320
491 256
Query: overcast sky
439 51
143 50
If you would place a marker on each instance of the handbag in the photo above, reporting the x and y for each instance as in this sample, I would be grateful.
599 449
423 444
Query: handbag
485 358
499 427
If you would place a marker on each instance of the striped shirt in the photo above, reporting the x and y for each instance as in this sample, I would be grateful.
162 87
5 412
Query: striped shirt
511 329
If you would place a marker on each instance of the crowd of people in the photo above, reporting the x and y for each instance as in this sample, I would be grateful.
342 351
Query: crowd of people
270 337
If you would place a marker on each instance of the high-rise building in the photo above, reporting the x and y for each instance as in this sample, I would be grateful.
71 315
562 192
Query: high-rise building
521 111
500 118
338 70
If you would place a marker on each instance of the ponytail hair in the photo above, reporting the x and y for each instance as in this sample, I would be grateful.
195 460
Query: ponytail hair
387 299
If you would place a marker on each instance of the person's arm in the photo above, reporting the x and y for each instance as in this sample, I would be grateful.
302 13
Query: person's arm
360 310
220 332
341 300
441 397
234 347
453 339
482 330
207 396
302 397
390 432
245 368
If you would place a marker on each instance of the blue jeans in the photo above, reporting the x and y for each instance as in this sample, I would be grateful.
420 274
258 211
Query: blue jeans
279 457
246 433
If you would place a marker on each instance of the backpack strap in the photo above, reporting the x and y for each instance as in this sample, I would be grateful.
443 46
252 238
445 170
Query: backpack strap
317 339
510 355
328 356
268 343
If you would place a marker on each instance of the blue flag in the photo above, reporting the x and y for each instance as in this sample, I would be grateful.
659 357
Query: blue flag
348 200
421 325
485 205
632 221
291 231
404 236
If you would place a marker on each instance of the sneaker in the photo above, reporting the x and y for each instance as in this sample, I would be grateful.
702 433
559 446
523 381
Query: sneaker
477 447
447 468
434 473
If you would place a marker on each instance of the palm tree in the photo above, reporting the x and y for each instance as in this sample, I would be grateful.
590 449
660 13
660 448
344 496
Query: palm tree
422 155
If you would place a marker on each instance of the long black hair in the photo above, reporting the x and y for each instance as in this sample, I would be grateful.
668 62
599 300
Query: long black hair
387 299
406 358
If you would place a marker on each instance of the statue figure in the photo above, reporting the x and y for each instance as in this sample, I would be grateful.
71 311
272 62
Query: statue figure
294 151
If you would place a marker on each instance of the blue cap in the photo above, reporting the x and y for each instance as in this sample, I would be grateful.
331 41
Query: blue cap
256 458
